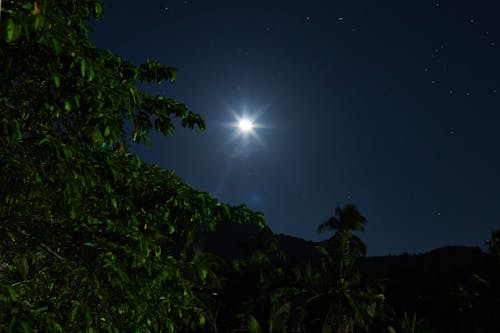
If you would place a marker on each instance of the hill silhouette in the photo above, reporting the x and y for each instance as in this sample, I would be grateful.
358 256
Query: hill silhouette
455 288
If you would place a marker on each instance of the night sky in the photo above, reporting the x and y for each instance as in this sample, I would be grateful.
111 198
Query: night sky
393 106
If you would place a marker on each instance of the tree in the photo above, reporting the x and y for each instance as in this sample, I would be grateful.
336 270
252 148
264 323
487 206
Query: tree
253 296
494 244
346 220
344 247
91 238
340 257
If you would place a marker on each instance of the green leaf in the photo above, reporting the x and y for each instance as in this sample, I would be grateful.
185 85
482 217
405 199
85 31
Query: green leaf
41 310
91 75
73 213
98 9
10 235
12 293
26 327
67 106
56 327
83 67
57 46
12 30
253 325
67 152
74 310
132 92
76 98
57 80
46 139
38 22
97 136
370 309
23 267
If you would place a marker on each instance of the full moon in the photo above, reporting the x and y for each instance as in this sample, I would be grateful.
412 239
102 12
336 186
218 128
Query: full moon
245 125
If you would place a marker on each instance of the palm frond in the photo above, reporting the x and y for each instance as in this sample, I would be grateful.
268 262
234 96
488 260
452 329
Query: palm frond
329 225
253 325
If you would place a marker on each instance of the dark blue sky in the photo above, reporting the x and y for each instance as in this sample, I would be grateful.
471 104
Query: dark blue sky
391 105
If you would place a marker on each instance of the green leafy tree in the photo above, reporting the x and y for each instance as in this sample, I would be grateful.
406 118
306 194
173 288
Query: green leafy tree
91 238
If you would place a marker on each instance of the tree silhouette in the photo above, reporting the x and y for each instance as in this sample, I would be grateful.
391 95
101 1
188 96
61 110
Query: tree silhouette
346 220
494 244
340 257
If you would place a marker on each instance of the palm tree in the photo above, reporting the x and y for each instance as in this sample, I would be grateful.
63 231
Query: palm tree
345 247
346 220
341 254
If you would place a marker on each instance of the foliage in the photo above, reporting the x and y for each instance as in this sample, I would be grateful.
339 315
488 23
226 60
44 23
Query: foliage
91 237
251 295
408 324
265 293
453 289
494 244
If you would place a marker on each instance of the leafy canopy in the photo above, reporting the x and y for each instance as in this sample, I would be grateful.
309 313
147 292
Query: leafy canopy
91 238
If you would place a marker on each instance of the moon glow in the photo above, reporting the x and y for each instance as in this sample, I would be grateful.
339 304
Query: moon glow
245 125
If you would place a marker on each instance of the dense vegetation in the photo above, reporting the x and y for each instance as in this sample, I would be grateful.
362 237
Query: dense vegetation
451 289
92 239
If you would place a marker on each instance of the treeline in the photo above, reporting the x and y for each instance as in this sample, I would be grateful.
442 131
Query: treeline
296 286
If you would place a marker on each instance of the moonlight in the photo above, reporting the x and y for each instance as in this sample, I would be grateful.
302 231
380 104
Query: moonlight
245 125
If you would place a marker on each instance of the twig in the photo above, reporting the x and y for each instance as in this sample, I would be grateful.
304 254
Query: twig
50 250
42 244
